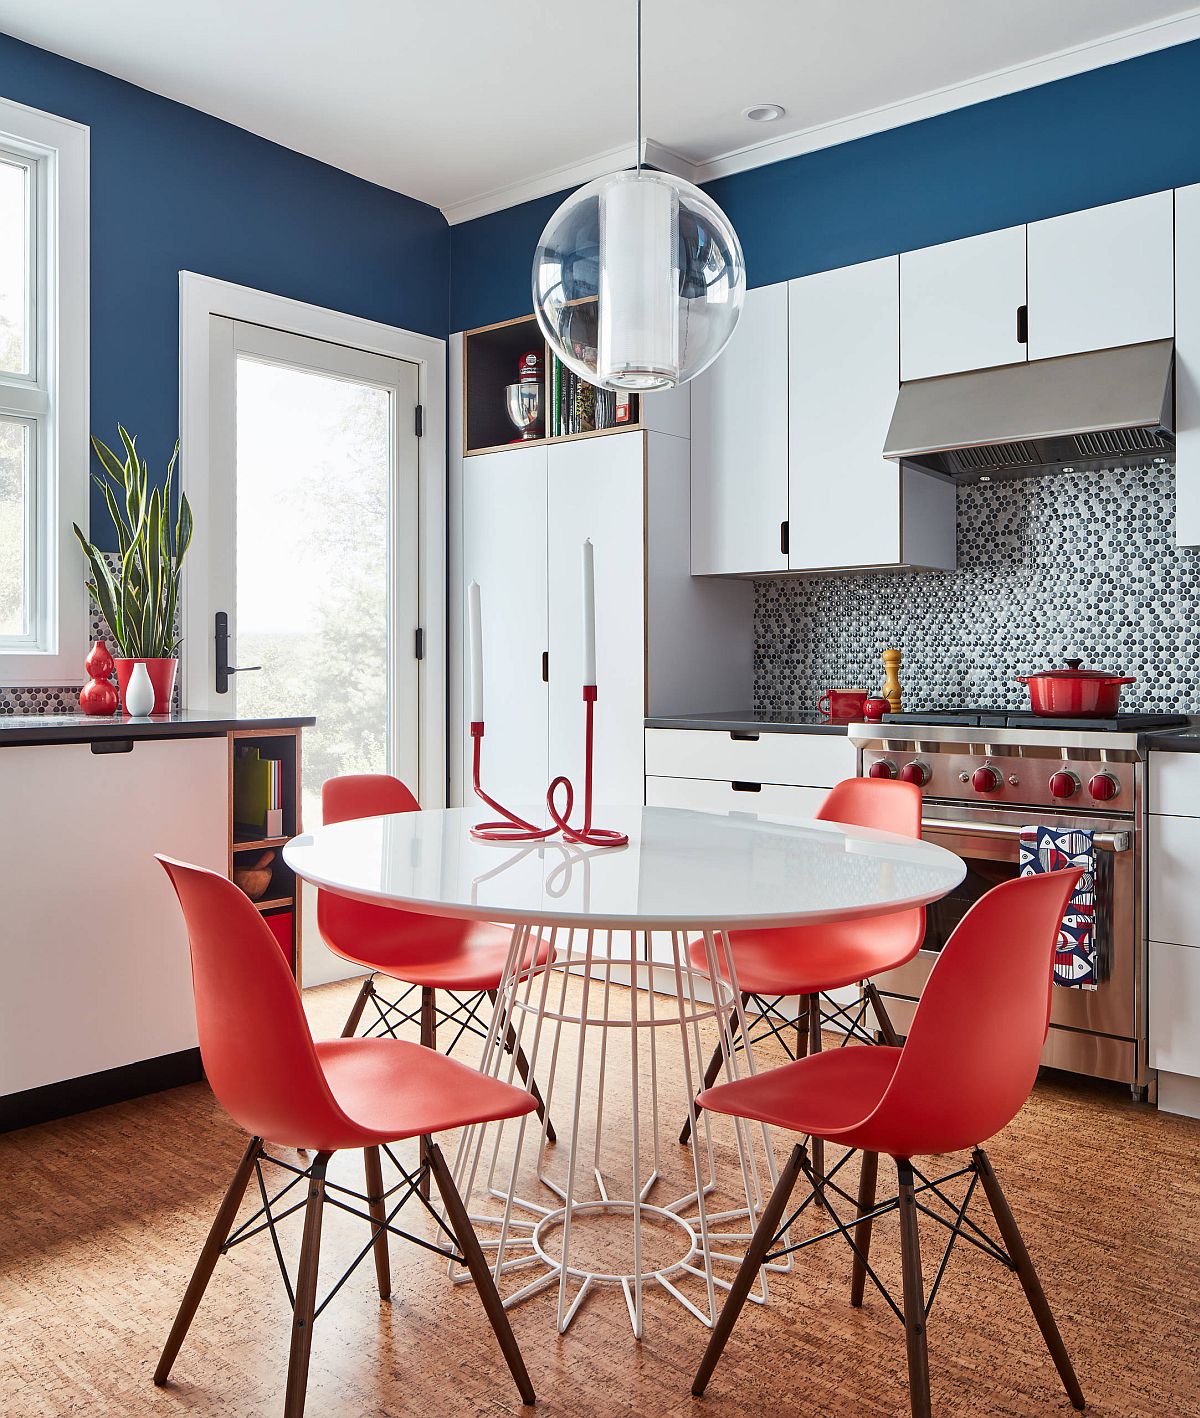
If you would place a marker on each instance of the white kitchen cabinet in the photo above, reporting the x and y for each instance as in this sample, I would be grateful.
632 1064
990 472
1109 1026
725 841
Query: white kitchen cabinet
504 549
806 760
666 642
596 489
1174 859
740 445
759 799
1102 277
959 304
96 972
1187 366
1175 1008
849 506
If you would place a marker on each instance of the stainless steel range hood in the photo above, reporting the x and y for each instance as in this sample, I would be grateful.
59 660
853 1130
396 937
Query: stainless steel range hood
1104 409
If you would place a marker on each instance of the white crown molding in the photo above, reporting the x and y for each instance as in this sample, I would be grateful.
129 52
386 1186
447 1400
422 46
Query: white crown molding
1096 54
573 175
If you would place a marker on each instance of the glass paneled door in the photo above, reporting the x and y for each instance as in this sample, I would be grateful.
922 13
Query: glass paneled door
321 589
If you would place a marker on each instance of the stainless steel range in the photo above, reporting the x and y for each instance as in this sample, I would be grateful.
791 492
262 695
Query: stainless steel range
987 774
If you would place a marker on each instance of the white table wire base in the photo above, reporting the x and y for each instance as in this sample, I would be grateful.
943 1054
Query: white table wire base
613 1203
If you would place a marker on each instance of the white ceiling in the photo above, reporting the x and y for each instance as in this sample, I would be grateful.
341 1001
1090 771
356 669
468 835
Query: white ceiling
474 104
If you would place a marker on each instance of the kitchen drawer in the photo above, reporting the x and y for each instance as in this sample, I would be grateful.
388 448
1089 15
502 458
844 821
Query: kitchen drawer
806 760
1173 855
1175 1008
1173 784
708 795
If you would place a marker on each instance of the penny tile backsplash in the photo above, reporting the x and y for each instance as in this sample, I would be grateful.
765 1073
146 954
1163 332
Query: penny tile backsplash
1066 564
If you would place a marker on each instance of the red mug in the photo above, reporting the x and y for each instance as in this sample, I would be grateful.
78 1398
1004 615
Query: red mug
842 703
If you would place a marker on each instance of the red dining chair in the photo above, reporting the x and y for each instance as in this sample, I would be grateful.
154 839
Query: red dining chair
809 961
966 1069
320 1098
463 959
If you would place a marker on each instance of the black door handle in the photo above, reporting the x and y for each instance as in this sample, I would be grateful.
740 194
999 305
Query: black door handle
224 668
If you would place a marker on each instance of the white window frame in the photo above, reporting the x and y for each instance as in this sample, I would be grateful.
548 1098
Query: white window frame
54 396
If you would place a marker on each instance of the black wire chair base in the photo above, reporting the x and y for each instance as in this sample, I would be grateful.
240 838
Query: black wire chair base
268 1216
770 1021
464 1016
952 1217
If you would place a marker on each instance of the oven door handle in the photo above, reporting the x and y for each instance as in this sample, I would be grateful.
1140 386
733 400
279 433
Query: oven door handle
1107 841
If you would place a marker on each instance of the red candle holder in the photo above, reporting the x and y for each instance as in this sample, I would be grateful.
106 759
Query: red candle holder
512 828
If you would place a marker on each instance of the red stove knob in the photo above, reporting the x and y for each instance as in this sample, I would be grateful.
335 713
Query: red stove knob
882 768
987 779
1103 787
1063 784
915 772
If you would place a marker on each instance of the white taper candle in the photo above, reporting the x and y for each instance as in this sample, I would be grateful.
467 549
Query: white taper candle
589 614
475 623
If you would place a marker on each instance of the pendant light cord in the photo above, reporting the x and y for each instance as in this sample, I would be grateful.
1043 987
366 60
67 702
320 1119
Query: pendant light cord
639 86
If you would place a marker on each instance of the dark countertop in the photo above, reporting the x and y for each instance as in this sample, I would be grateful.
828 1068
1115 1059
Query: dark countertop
1175 740
746 721
85 728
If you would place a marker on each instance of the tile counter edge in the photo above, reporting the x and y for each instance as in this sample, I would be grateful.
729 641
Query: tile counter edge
746 722
80 728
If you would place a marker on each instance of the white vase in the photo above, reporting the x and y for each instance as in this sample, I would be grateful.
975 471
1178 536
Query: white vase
139 693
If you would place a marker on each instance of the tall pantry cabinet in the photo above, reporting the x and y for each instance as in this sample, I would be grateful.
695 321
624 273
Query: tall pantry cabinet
665 643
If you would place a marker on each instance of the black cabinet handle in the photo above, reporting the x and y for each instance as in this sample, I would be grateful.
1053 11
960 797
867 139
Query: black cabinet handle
784 537
743 736
746 787
112 745
1022 324
545 666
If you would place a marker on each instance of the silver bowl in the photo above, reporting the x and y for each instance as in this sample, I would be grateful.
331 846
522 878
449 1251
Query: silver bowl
523 403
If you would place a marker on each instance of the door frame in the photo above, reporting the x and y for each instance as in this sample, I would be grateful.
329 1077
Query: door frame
201 297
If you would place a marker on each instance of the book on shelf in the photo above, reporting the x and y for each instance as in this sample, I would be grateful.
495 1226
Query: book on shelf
579 407
257 792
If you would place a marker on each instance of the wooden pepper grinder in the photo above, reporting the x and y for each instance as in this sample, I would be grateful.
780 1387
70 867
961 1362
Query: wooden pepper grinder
891 679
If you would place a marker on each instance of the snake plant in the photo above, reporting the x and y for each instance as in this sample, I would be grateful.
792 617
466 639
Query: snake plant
139 599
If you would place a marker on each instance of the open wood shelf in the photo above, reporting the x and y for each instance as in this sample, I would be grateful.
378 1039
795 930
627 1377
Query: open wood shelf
284 891
491 356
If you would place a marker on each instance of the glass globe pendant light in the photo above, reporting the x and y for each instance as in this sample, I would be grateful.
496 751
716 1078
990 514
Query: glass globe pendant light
638 278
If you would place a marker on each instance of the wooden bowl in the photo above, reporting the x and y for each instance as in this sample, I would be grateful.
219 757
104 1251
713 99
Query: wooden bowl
255 880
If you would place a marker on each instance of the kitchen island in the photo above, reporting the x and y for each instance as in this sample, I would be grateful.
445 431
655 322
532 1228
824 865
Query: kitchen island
95 979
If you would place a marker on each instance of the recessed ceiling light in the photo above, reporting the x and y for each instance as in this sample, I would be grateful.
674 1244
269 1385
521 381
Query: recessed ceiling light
764 112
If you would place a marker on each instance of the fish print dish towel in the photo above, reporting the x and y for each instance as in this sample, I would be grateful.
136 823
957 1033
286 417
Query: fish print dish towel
1043 849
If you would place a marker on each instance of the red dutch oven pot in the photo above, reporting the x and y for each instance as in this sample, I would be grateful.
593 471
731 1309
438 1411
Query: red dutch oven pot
1074 692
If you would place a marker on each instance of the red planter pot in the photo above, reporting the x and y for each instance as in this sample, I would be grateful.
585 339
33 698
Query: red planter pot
162 676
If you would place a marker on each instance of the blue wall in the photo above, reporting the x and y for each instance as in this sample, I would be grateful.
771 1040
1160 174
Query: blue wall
174 189
1098 137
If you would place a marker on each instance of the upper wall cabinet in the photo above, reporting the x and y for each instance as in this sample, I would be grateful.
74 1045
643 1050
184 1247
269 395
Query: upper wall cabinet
1187 367
740 445
1102 277
848 505
961 304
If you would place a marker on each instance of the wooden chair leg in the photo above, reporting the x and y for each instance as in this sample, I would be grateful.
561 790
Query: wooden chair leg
867 1177
712 1071
306 1291
429 1041
914 1295
760 1244
472 1252
352 1019
512 1047
816 1144
218 1234
1015 1244
882 1018
378 1214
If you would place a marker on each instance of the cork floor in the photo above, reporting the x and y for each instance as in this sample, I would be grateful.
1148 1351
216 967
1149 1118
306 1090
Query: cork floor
103 1215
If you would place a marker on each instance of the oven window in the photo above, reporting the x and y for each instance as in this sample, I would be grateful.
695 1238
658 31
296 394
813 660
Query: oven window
942 916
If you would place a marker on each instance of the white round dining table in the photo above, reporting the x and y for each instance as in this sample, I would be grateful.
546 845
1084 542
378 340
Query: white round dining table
586 925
